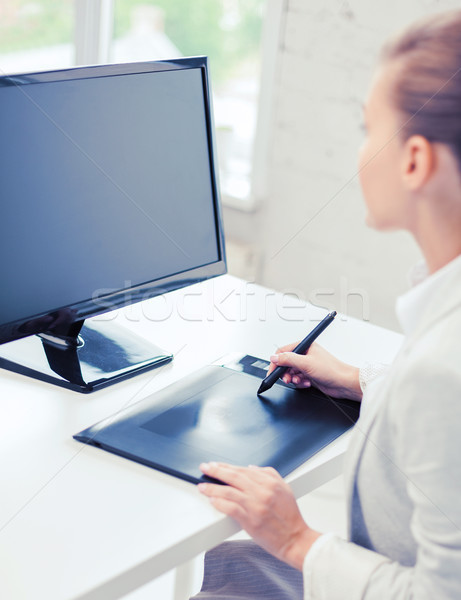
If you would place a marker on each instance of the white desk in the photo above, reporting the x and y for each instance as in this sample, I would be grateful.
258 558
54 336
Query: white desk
78 522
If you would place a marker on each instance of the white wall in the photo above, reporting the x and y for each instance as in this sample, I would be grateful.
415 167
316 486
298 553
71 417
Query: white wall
310 229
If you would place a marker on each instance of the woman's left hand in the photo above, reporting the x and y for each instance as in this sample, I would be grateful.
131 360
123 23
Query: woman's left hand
264 505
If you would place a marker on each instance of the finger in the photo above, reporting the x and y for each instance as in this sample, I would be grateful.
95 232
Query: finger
292 374
291 360
272 365
230 474
270 369
286 348
299 378
225 492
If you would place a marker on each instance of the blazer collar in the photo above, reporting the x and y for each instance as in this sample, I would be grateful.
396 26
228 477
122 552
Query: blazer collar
445 299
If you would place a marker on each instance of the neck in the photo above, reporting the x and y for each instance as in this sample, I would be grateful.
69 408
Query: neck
439 238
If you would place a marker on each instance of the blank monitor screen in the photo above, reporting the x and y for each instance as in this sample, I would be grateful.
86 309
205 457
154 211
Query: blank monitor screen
105 185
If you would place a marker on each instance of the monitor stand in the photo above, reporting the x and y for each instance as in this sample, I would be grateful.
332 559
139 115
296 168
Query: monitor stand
89 357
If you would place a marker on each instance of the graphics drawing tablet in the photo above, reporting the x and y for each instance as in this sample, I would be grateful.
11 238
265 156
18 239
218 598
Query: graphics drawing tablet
216 415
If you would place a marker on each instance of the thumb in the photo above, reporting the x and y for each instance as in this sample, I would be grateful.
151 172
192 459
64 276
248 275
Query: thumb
290 359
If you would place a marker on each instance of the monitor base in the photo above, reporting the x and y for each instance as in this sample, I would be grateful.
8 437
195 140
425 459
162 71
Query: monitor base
106 354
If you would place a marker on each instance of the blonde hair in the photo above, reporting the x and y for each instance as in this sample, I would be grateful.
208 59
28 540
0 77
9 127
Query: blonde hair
427 89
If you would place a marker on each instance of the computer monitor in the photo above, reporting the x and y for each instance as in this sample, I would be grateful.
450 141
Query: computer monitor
109 196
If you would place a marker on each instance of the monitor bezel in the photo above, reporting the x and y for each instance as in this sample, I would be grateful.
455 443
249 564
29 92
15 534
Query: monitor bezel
97 305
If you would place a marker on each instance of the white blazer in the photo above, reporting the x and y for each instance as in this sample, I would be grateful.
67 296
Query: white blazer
403 474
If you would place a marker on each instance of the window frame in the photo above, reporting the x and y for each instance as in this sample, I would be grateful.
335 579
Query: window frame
273 25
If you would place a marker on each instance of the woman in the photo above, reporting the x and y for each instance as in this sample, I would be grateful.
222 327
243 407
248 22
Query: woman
403 470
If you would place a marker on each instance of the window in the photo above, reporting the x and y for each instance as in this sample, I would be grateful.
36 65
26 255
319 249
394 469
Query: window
36 35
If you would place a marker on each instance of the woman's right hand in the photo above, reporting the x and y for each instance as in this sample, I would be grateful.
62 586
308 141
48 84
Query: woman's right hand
318 368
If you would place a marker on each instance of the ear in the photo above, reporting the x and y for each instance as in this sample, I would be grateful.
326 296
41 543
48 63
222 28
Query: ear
418 162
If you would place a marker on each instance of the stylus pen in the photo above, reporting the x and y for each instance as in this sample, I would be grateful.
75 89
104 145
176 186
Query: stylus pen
301 348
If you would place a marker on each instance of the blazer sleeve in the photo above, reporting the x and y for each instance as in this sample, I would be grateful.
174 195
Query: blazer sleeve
425 410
